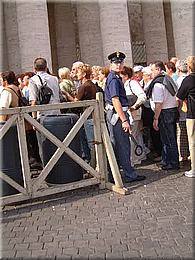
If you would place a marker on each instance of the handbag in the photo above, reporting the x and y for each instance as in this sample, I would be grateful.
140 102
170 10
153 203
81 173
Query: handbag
131 98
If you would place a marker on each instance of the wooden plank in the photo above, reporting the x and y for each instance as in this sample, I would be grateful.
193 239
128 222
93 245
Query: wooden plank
27 109
24 153
13 183
111 156
9 111
66 187
122 191
7 125
100 152
48 107
49 191
13 198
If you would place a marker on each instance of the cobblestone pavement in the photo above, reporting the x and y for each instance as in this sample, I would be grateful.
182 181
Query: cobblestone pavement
154 222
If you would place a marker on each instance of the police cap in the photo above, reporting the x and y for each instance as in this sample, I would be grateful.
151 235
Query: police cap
116 57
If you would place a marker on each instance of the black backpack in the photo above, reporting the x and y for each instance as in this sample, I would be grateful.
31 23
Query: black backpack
44 93
22 100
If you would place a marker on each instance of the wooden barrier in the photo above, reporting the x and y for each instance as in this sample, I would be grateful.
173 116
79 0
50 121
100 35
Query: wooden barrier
33 187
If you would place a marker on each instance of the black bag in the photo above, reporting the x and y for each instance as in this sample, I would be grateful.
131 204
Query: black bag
131 98
23 101
44 93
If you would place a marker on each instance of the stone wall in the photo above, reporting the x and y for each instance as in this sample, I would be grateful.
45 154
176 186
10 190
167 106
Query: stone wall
154 30
49 29
13 54
65 34
135 20
115 29
182 16
90 39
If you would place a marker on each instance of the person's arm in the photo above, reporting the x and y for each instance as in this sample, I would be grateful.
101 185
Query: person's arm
158 98
118 108
33 96
67 96
157 110
139 92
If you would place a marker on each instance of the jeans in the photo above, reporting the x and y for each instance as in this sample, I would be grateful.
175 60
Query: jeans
88 125
121 145
167 126
84 145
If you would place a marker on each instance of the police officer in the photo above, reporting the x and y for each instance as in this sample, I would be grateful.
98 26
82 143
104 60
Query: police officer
117 117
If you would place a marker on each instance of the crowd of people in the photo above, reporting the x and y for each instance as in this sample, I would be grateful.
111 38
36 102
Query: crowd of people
153 104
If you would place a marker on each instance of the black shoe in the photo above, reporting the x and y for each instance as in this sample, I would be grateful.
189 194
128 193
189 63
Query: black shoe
169 168
138 178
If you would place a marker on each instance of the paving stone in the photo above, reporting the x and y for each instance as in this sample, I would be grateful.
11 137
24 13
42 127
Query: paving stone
49 245
70 251
39 253
31 239
21 246
23 253
66 244
47 238
97 256
37 246
8 253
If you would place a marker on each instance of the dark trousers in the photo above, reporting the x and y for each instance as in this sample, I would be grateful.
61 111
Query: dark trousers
167 125
32 144
148 118
121 145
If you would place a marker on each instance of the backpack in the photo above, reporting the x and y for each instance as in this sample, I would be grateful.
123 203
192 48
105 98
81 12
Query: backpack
44 93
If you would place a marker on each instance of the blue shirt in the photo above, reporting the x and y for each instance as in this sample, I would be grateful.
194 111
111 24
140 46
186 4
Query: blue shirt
115 88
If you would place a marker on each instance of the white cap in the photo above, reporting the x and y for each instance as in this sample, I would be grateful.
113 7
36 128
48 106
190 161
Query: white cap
137 68
147 70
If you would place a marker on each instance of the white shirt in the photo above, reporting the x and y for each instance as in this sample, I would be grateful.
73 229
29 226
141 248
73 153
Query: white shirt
5 99
135 89
161 95
52 82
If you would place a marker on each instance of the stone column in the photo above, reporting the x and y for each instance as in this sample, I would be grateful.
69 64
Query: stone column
183 27
33 32
3 47
154 30
65 34
89 33
114 22
10 37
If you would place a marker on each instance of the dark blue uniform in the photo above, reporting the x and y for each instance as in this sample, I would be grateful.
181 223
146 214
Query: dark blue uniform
119 138
115 87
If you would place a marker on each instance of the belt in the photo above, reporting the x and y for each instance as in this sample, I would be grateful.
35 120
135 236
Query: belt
110 107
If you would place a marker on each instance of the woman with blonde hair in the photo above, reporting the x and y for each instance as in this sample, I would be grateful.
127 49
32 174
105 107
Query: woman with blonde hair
103 74
87 91
66 85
